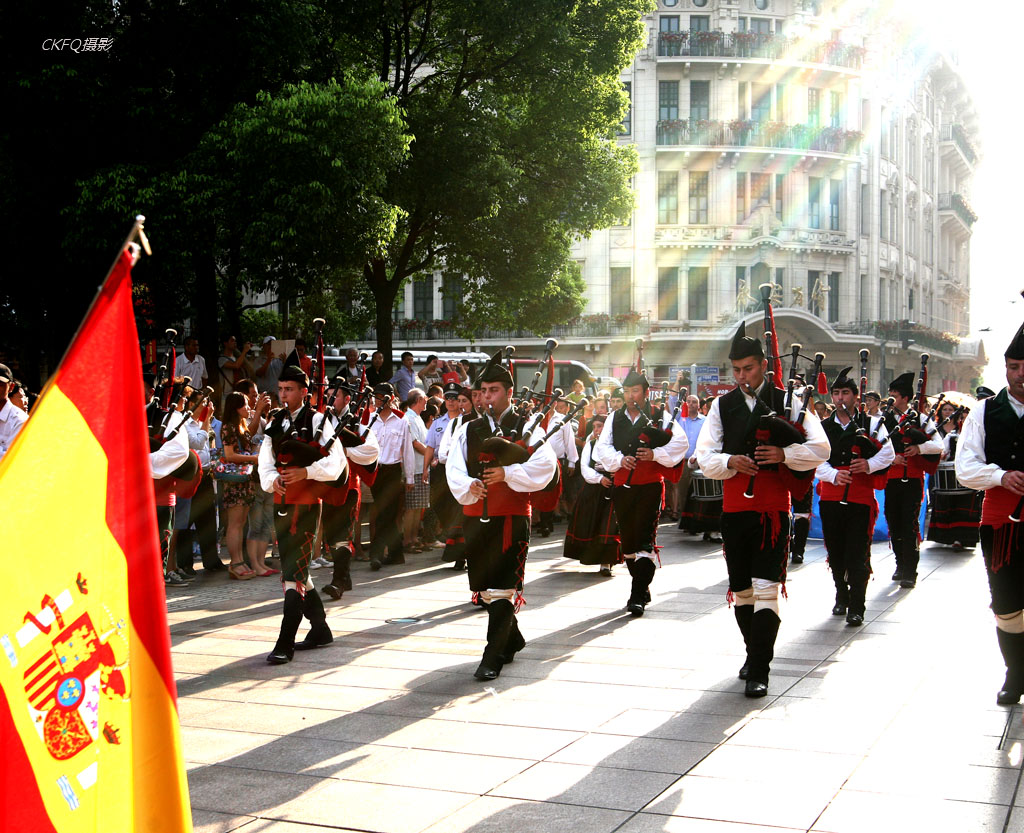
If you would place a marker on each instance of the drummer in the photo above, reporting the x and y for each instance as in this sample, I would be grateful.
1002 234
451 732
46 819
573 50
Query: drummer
956 510
698 513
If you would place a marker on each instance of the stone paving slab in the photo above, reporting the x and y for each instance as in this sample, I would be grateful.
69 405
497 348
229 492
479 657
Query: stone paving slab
604 723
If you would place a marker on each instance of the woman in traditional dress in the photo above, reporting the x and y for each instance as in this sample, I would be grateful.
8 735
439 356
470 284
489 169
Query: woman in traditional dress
593 534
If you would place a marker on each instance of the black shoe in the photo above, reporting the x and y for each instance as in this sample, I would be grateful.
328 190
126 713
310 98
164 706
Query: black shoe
188 570
1008 697
605 571
332 591
635 608
744 671
839 609
460 565
215 568
374 564
854 619
898 575
392 560
755 688
908 583
316 638
279 657
485 672
797 558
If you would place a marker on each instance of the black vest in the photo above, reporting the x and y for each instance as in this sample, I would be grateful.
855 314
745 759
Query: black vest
478 430
841 440
285 430
626 434
1004 433
739 424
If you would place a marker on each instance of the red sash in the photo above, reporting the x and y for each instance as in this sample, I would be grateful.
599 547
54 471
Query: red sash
647 471
997 506
501 500
862 489
770 493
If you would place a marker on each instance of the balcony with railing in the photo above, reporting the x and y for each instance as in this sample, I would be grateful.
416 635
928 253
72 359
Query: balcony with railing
956 135
601 325
768 46
959 206
743 133
897 331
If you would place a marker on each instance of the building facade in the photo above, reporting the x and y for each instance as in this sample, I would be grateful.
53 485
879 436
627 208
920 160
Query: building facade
779 143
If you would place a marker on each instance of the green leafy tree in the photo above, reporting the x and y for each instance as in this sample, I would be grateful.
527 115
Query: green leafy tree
257 324
515 107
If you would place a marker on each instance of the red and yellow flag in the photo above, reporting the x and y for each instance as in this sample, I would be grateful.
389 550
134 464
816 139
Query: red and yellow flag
88 708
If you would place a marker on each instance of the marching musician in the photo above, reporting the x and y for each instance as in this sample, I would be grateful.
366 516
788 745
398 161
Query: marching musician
293 460
455 542
755 530
396 455
905 489
341 503
168 452
991 450
496 503
846 488
638 454
956 511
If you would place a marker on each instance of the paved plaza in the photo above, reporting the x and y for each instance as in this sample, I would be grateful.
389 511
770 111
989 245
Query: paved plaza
603 723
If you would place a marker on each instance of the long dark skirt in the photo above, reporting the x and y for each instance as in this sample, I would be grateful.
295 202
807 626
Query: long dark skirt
955 517
593 534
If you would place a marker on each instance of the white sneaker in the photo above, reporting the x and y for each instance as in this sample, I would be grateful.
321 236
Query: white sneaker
319 562
173 580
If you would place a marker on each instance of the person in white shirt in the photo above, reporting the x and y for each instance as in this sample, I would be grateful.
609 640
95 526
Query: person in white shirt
267 368
11 418
638 454
455 543
191 364
292 465
990 457
758 477
846 488
905 489
563 443
396 454
495 496
417 489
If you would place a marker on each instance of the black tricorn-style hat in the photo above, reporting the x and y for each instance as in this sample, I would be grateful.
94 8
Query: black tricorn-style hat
635 378
1016 349
743 346
618 393
843 381
903 384
292 373
495 371
383 389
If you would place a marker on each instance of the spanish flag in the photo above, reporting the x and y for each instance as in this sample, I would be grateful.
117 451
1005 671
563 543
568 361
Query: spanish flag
88 708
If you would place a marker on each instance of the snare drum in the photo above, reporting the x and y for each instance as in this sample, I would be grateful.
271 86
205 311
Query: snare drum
704 488
945 479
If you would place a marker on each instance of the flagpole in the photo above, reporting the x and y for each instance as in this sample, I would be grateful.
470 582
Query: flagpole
137 231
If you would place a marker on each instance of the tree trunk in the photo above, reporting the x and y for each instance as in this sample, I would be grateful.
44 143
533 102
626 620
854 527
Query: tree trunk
384 292
205 282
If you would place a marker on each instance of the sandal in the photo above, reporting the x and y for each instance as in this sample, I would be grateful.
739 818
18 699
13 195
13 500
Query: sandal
269 572
240 571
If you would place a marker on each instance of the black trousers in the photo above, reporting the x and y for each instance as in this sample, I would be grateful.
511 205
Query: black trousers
164 527
295 525
202 513
496 551
902 509
388 491
637 510
1003 550
755 545
847 531
339 520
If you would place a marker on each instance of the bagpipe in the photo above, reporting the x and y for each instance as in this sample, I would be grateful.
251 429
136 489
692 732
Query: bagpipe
772 428
650 433
172 397
909 431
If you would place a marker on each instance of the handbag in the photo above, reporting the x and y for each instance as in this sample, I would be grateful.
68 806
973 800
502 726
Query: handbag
232 472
